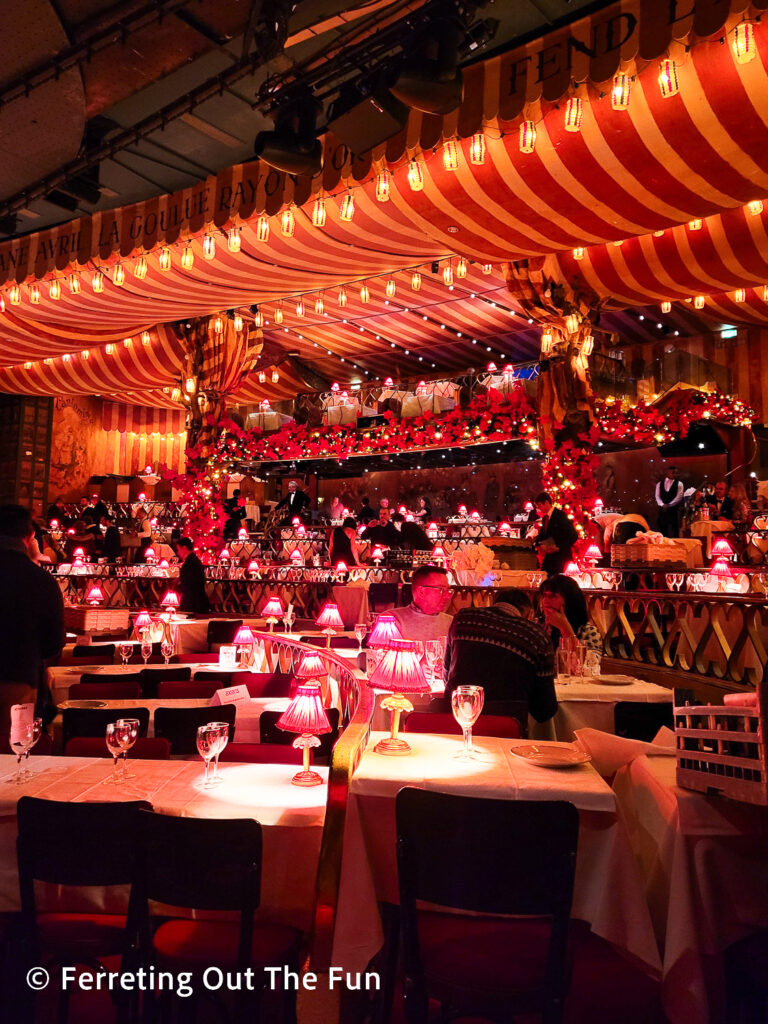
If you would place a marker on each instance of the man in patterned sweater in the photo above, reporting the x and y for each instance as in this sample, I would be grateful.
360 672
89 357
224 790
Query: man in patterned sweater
502 650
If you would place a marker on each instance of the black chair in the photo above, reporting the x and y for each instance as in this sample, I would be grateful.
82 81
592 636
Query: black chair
221 676
179 725
110 678
210 865
382 596
269 733
514 857
94 721
516 709
104 652
639 721
150 679
155 658
75 844
222 631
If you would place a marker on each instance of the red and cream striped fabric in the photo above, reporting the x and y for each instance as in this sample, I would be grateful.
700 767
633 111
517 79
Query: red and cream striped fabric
141 419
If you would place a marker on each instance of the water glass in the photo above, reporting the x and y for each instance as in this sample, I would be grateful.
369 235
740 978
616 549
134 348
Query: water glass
222 738
166 649
146 650
37 732
361 629
466 704
22 739
207 742
126 650
434 651
129 733
115 747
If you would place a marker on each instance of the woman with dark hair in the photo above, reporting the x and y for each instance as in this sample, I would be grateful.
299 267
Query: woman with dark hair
342 543
565 613
424 512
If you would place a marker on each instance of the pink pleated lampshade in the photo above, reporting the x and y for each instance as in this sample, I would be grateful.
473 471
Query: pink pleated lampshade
721 568
305 714
593 551
721 548
95 594
244 635
399 671
273 609
385 628
170 599
311 666
330 616
143 619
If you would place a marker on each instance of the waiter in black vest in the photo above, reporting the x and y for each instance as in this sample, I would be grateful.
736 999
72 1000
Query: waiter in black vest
669 498
294 502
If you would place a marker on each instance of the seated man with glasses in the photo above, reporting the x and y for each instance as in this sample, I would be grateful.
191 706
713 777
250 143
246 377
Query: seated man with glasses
425 617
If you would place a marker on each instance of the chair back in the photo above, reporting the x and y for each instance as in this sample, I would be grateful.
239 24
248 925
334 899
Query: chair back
261 753
146 748
189 690
104 652
104 691
442 724
222 631
516 709
269 733
221 677
269 684
94 721
110 678
151 678
195 657
179 725
639 721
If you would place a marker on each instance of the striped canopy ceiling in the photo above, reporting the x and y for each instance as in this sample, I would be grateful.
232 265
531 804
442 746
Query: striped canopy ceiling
637 176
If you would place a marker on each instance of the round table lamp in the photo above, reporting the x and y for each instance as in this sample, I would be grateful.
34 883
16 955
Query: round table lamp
399 672
306 716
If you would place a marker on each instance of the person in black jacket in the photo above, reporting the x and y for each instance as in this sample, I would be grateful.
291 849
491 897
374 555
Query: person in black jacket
412 536
31 617
556 536
342 540
191 579
294 502
111 548
366 514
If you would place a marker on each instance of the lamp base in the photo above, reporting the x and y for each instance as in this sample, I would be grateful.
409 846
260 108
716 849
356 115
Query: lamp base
307 778
392 745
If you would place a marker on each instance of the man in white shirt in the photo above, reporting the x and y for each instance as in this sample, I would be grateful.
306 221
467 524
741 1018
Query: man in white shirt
669 498
425 618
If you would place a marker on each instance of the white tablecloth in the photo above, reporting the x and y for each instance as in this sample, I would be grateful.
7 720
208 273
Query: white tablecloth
590 704
291 817
706 528
608 892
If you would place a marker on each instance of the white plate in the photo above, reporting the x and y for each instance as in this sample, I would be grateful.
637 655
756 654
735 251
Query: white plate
544 755
613 680
82 704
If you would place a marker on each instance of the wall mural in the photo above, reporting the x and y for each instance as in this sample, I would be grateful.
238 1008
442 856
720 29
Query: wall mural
78 446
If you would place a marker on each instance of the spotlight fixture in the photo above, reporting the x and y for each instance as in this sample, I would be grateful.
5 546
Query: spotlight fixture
293 146
430 78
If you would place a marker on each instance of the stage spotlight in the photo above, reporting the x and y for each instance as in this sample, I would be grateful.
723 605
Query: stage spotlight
430 78
366 114
293 146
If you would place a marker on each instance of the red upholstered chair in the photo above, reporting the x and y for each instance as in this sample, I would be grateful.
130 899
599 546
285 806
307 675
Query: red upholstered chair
267 684
80 661
202 658
441 724
146 748
152 677
51 848
261 753
191 689
215 865
104 691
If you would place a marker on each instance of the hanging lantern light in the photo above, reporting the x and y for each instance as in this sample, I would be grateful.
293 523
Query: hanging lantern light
262 377
695 225
527 137
765 293
74 284
14 295
237 320
287 223
666 307
2 304
477 149
450 155
668 82
741 295
209 247
698 302
391 288
164 258
755 207
487 268
416 281
547 341
415 176
743 44
572 323
218 325
319 305
578 253
588 345
34 294
278 314
190 385
300 307
233 240
110 350
262 228
258 318
67 357
347 207
383 183
342 296
187 258
622 83
55 290
275 376
574 114
319 213
365 294
140 268
127 342
145 338
461 268
448 274
118 277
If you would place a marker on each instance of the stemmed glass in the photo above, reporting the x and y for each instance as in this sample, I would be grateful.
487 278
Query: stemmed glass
221 730
37 732
146 648
361 628
288 619
466 704
433 650
166 649
126 650
129 733
22 739
207 743
115 747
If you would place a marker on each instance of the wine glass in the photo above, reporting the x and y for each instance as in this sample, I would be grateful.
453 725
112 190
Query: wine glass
146 648
166 649
207 742
361 628
128 734
221 730
37 732
433 650
288 619
466 704
21 739
115 747
126 650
